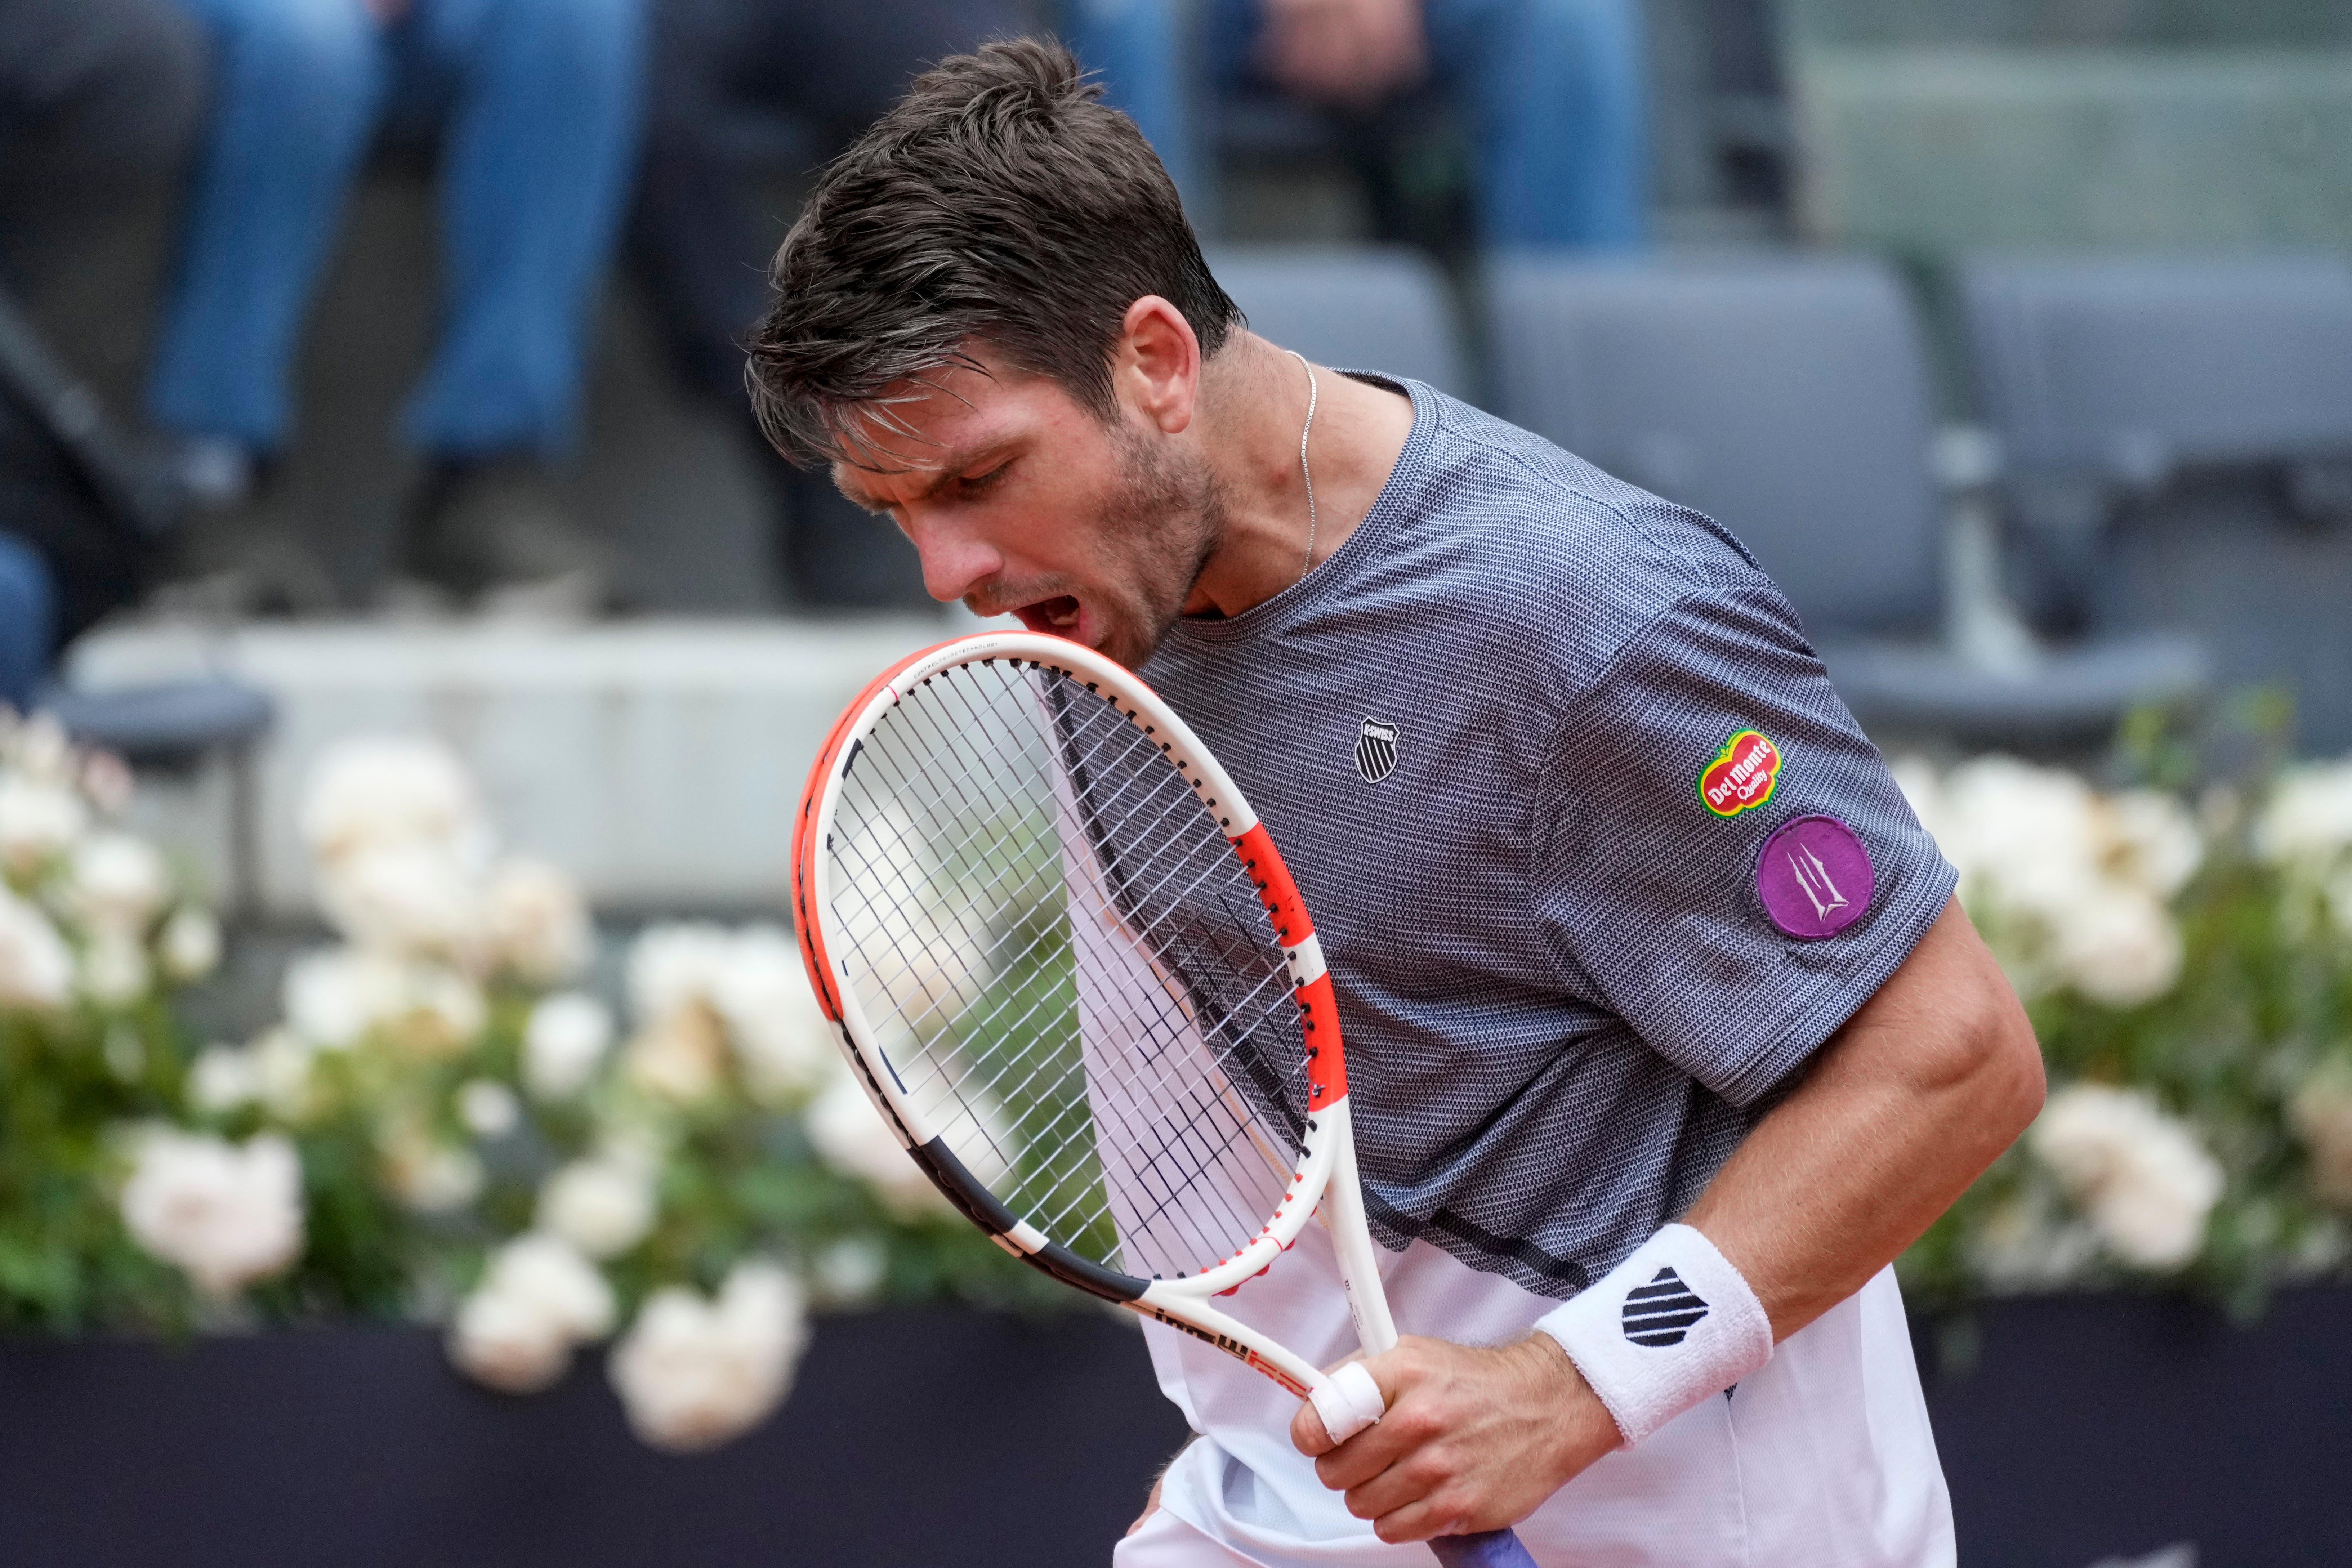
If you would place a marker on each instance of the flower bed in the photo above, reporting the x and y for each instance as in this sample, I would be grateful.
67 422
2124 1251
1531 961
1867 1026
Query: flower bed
444 1129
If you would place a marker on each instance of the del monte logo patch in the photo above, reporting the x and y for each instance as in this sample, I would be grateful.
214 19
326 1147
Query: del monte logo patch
1742 775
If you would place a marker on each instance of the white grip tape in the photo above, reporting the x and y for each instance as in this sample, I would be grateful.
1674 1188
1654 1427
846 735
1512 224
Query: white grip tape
1349 1402
1664 1330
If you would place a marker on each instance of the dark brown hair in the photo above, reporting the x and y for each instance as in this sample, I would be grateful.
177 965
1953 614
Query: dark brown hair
1000 200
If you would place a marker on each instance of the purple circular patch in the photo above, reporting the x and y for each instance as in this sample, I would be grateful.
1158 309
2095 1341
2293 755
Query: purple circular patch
1814 877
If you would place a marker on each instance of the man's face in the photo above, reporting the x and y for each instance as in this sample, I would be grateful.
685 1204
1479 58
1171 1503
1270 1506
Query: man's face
1021 501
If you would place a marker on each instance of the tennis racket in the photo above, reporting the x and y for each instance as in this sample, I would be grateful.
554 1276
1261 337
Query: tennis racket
1071 971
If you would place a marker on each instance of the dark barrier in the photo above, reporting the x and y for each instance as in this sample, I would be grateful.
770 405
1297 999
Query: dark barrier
2088 1428
2098 1426
911 1440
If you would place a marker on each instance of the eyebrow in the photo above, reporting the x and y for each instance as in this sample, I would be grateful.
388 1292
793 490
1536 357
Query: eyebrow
947 473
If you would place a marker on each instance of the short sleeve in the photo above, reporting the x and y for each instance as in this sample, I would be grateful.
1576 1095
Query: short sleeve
1710 731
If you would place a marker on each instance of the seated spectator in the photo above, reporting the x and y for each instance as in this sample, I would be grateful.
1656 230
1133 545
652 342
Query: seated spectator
540 100
100 103
1552 90
726 71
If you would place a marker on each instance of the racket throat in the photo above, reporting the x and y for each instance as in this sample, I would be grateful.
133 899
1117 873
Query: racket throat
1358 1255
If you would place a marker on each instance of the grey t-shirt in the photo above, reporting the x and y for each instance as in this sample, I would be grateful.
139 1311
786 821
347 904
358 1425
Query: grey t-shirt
1478 733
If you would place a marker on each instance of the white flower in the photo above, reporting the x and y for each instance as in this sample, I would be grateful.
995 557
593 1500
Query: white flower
537 1299
2308 820
779 1031
694 1373
38 819
2157 842
114 969
334 997
848 1272
2140 1176
427 1176
117 880
2119 948
190 944
849 1134
107 781
36 968
675 966
222 1079
37 748
381 790
566 1037
281 1061
503 1342
224 1214
403 896
538 923
2321 1111
489 1108
603 1205
681 1058
2021 1246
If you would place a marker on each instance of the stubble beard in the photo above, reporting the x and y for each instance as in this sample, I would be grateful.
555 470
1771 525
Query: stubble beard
1158 530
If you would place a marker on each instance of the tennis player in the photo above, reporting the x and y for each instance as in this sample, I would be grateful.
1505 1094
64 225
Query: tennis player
1663 1031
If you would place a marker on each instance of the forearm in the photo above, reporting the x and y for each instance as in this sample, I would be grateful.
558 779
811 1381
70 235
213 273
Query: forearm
1902 1109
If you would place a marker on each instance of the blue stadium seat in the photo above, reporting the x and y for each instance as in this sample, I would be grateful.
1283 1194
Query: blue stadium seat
2180 434
1356 307
1786 397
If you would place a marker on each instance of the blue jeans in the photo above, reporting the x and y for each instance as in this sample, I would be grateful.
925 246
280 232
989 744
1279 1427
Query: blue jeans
541 98
1554 92
28 620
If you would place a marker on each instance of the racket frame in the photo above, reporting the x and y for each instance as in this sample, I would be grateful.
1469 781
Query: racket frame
1325 1176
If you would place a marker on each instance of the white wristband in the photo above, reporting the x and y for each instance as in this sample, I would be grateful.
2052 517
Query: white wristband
1664 1330
1349 1402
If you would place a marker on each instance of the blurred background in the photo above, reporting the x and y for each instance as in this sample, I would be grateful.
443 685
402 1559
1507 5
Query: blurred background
368 369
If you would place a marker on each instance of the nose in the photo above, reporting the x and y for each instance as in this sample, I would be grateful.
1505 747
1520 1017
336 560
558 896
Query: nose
955 563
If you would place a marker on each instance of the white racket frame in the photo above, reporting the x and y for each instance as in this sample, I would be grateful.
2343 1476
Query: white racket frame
1325 1178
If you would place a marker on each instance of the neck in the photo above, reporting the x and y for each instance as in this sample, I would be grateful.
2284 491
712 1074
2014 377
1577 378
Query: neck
1253 398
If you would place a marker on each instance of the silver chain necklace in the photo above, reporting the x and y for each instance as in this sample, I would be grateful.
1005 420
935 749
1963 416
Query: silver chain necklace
1304 471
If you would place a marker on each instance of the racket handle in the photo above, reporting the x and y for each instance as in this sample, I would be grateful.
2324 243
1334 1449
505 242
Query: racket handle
1488 1549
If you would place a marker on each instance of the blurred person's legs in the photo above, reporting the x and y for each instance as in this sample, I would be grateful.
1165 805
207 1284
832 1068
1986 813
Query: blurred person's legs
1553 93
27 612
534 169
1558 105
298 86
723 73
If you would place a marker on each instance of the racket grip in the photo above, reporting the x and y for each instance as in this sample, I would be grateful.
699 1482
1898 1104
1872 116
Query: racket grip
1488 1549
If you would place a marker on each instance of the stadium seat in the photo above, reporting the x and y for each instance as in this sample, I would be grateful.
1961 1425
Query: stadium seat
1356 307
1786 397
2180 437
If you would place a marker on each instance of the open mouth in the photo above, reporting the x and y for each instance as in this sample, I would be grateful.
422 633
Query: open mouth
1058 615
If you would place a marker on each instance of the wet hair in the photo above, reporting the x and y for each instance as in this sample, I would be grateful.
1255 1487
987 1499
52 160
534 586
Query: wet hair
1001 203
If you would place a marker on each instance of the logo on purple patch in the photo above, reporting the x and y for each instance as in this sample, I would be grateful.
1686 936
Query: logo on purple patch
1814 877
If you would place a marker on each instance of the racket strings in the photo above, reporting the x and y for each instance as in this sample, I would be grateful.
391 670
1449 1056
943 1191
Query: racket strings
1069 970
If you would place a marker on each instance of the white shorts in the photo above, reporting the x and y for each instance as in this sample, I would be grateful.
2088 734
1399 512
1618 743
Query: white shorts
1821 1460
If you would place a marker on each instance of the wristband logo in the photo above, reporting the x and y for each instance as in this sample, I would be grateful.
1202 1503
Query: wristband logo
1659 1313
1742 775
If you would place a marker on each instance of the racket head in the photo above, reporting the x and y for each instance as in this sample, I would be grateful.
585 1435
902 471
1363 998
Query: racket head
1068 966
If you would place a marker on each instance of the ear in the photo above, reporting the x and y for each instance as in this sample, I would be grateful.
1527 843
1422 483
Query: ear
1155 367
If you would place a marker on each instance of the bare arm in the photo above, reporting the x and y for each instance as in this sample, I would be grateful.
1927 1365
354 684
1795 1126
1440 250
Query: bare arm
1901 1110
1895 1114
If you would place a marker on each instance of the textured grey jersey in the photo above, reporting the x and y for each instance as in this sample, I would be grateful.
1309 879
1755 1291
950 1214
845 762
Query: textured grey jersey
1529 741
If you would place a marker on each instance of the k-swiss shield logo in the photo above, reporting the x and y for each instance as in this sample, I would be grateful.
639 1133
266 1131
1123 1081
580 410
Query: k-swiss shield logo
1376 751
1659 1313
